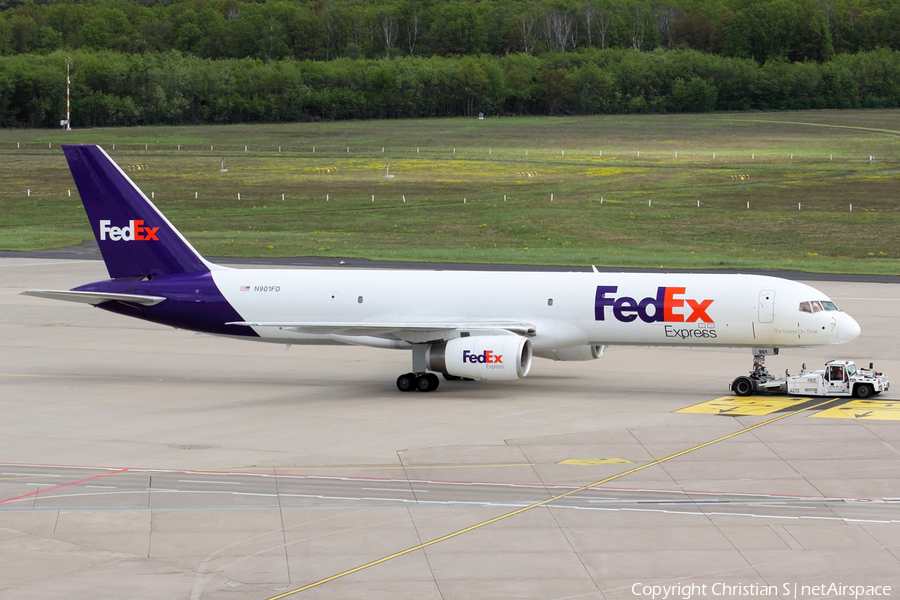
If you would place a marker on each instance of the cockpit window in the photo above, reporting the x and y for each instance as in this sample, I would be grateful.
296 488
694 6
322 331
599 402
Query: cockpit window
814 306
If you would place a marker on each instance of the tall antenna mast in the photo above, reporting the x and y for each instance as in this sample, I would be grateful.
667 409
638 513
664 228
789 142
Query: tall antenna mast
68 83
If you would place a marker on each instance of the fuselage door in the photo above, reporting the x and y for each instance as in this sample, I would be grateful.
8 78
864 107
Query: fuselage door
766 306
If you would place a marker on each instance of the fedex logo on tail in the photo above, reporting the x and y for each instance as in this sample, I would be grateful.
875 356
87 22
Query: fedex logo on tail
135 231
666 307
487 356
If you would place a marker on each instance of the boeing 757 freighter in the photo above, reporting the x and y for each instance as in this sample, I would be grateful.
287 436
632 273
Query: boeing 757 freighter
464 324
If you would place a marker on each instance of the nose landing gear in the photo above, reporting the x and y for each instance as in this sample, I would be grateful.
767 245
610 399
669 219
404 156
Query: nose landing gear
760 379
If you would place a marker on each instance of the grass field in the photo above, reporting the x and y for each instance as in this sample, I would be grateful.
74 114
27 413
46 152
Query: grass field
621 196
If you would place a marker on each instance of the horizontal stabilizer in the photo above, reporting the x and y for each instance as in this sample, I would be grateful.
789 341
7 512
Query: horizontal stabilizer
369 328
94 298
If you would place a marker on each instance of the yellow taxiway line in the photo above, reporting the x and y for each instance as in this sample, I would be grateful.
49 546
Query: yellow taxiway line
542 503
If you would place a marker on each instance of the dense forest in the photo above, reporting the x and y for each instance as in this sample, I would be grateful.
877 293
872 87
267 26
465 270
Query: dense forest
794 30
172 88
192 61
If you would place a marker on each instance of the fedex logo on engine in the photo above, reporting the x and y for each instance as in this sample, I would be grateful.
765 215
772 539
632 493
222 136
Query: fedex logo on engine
487 356
661 309
134 232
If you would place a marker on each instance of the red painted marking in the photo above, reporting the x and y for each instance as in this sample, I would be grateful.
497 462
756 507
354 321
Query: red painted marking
63 485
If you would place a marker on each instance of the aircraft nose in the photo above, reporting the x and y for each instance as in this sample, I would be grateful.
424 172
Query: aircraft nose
848 329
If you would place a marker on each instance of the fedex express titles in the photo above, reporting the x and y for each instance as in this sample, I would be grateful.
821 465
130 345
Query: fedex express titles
659 309
487 356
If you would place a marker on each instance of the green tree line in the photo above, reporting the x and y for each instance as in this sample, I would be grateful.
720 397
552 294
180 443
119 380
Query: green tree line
795 30
111 88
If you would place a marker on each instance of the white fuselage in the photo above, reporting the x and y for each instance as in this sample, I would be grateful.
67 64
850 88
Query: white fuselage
566 308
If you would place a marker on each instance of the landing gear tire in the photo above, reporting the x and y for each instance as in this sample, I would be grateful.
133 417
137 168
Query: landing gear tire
427 382
742 386
863 390
407 382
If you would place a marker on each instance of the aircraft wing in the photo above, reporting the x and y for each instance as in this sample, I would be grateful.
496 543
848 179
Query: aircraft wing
387 328
94 298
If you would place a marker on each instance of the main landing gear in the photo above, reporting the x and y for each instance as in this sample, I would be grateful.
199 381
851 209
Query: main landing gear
422 382
419 379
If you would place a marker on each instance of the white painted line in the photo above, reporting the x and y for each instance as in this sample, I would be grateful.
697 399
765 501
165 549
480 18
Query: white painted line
320 497
390 499
724 514
31 474
851 298
396 490
208 482
102 487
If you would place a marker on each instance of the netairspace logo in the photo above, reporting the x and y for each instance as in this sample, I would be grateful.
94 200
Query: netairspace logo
133 232
687 591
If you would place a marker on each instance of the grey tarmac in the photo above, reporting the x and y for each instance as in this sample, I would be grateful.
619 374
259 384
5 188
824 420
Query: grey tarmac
144 462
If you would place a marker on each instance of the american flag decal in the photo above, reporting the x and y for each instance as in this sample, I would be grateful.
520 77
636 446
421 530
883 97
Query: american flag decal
245 288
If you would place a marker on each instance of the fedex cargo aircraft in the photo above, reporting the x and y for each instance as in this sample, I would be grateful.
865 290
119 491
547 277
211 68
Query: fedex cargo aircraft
463 324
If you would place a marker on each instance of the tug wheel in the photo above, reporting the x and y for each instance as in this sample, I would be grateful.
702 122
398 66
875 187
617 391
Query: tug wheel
742 386
863 390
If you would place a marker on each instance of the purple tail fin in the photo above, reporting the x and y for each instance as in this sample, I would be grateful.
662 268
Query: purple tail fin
135 238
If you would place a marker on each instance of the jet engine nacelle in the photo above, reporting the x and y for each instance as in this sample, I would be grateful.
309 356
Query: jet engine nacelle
482 357
590 352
